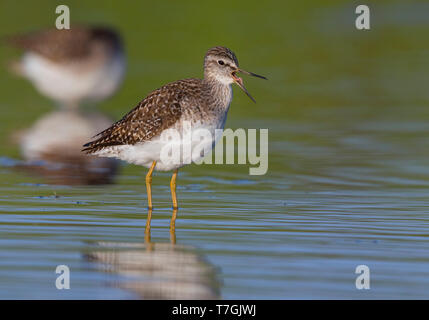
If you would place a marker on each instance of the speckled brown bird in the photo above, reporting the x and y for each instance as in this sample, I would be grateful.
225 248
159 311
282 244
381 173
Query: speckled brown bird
71 65
190 106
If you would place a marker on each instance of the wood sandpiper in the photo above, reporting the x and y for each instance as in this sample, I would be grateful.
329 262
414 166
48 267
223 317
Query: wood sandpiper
136 138
71 65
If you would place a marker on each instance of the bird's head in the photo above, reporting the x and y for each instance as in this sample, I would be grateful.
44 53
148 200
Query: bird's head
221 64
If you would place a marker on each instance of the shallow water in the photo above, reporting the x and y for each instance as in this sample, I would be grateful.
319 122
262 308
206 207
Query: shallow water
347 183
356 197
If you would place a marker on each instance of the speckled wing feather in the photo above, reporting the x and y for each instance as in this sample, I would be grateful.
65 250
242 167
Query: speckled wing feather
160 110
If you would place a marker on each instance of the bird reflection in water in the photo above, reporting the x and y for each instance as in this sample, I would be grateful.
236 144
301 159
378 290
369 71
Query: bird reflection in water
51 148
155 270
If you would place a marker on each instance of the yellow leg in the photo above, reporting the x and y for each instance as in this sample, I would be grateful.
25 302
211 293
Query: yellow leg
149 185
149 219
148 243
173 222
173 228
173 189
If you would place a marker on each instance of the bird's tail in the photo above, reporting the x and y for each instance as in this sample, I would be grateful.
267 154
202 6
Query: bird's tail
15 67
96 145
88 148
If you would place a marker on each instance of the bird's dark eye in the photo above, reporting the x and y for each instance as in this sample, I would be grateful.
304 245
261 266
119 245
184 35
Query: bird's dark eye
221 62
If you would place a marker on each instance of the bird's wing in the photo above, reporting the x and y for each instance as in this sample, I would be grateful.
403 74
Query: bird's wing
158 111
54 44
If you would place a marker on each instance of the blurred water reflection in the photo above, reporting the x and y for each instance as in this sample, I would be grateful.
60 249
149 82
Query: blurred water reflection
158 270
52 148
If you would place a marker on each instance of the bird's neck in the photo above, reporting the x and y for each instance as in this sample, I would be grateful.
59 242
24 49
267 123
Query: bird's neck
218 92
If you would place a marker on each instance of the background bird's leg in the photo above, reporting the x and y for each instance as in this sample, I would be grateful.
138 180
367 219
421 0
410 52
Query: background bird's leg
149 185
173 189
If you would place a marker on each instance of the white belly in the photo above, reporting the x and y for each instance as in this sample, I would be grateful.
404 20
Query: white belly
76 81
171 150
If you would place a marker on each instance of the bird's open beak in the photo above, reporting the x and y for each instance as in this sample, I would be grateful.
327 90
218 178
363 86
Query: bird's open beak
239 81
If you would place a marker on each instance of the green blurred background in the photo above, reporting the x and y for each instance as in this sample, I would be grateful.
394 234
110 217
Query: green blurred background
310 51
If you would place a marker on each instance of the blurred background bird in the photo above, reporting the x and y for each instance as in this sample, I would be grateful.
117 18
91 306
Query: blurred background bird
71 67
